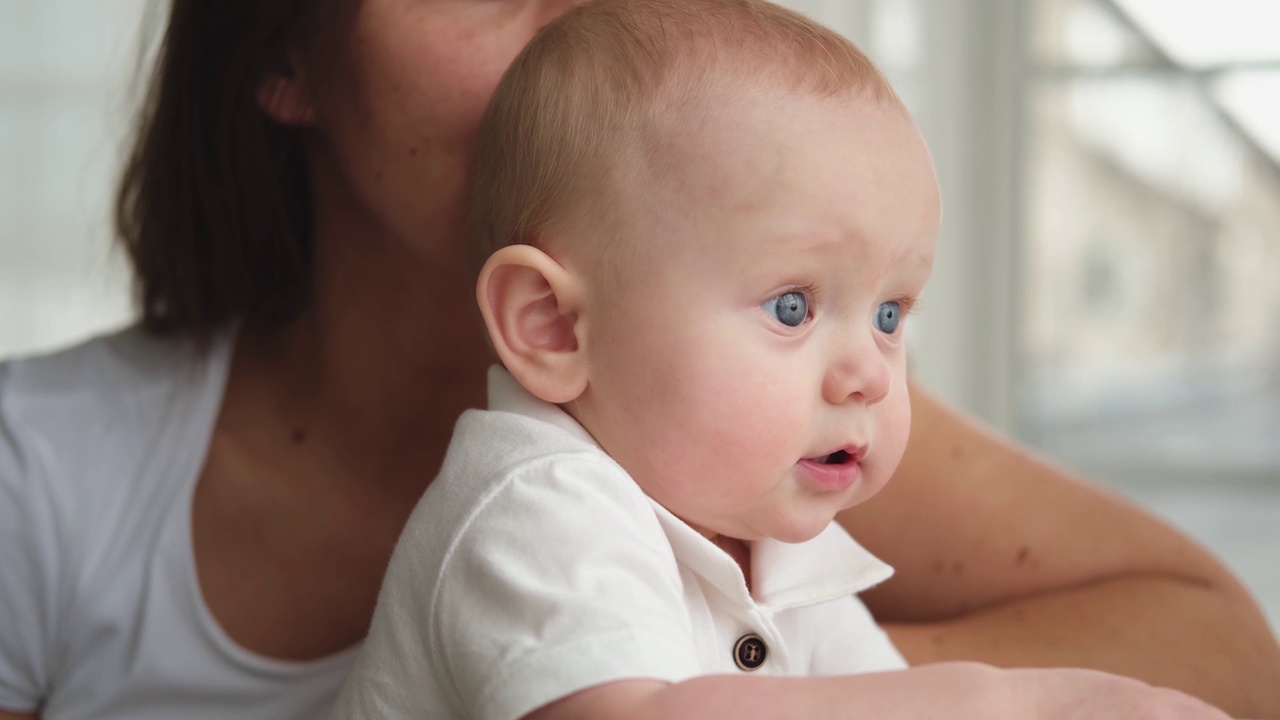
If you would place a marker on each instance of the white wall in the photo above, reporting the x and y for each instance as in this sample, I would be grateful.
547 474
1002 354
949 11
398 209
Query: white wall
64 66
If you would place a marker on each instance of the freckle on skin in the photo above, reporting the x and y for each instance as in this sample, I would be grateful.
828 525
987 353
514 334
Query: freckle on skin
938 639
939 567
957 567
413 151
299 436
956 452
1024 553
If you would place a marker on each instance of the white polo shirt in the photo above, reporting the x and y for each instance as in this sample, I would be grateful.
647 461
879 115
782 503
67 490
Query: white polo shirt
534 567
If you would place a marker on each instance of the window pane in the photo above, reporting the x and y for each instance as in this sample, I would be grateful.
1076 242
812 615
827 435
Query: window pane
1152 339
1210 33
1084 33
1252 99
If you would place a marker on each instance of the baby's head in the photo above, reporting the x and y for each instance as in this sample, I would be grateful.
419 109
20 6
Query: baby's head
597 104
701 223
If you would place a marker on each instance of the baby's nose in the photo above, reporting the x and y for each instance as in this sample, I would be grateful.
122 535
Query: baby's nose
860 373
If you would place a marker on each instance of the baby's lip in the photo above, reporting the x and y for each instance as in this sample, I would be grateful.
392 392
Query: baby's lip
844 455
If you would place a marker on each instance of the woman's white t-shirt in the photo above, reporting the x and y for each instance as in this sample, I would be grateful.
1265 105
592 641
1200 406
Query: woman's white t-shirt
101 614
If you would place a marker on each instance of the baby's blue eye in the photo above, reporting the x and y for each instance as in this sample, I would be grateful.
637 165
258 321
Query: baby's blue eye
888 316
790 309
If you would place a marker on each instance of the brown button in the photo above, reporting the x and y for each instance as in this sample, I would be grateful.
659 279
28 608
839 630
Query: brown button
749 652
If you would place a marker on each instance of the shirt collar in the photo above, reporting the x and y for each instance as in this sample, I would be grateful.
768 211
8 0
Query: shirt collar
829 566
784 575
508 395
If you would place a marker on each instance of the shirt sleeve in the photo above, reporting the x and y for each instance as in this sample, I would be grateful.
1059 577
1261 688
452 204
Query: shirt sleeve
563 580
28 566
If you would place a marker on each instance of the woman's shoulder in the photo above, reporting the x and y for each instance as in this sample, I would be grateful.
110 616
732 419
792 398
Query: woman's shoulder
115 364
88 413
100 446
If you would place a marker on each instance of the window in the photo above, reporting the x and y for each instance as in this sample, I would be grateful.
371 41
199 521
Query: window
1151 340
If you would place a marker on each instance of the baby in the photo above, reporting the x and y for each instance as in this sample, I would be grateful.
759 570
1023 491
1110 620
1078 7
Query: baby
701 225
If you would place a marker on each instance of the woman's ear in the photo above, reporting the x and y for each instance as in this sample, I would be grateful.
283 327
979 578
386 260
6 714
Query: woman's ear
284 95
532 307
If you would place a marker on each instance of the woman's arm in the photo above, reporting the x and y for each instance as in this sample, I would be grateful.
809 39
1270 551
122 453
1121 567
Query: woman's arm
1004 559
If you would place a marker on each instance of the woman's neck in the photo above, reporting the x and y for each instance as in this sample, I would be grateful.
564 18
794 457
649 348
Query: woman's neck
390 350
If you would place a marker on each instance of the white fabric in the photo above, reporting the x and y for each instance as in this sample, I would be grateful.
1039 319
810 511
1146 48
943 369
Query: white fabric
100 609
534 567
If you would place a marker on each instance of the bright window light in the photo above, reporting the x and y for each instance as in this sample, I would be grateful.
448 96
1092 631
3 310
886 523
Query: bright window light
1199 33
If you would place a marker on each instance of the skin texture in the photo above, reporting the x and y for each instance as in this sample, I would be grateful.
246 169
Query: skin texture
836 202
953 690
331 428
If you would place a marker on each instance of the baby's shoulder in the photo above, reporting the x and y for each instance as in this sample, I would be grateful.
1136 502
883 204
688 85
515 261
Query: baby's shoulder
523 461
511 484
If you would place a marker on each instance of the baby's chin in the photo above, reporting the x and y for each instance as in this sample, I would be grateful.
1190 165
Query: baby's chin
805 527
796 530
798 524
804 533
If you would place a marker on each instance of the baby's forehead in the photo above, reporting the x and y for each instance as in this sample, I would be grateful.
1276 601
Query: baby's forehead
779 156
742 134
625 100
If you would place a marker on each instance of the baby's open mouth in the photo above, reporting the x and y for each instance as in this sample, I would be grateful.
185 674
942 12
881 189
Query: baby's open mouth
839 457
837 470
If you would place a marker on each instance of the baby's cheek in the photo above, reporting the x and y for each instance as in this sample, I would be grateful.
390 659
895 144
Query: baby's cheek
894 430
730 425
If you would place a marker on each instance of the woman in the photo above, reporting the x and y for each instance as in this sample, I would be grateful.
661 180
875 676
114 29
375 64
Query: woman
195 517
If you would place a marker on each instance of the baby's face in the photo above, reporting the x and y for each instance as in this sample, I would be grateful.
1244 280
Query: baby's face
751 375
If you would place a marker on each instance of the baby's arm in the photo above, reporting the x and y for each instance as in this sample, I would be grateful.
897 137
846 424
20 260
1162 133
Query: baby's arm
950 690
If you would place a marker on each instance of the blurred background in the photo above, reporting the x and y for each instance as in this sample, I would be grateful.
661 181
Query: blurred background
1108 284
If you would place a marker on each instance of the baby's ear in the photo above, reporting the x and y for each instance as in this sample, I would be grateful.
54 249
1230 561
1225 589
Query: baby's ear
531 306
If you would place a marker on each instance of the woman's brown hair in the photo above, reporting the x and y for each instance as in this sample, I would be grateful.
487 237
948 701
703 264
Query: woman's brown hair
213 208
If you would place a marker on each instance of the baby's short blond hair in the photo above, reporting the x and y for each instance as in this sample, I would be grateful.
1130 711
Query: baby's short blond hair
576 106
